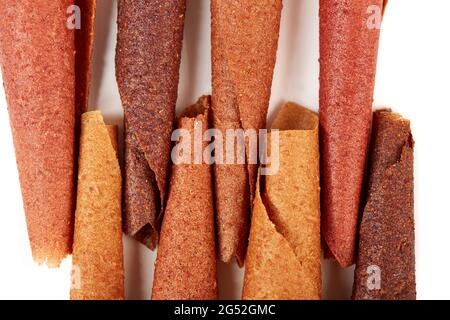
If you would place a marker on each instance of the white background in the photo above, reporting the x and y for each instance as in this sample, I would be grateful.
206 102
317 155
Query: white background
413 79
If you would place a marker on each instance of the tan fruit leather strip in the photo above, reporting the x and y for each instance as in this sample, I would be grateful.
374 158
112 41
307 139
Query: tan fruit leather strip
348 58
244 46
149 40
37 59
97 249
387 228
84 44
283 258
186 263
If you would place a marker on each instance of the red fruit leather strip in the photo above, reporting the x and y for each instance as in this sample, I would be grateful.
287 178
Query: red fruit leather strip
244 46
37 59
348 56
186 264
386 236
149 41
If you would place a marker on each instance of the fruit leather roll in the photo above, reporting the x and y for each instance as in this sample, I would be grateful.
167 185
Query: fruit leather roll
349 36
38 64
283 258
97 247
186 263
84 39
149 41
244 46
385 267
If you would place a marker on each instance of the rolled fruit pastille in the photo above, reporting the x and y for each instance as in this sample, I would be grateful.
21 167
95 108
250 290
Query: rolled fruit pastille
385 267
244 46
186 263
283 258
97 249
149 41
38 64
349 38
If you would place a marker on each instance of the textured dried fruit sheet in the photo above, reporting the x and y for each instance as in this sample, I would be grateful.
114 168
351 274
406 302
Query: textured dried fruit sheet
97 249
186 263
348 56
37 59
84 43
149 41
386 235
244 46
283 259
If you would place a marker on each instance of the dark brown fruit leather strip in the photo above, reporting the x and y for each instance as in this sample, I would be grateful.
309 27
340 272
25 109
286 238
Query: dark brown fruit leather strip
386 235
149 41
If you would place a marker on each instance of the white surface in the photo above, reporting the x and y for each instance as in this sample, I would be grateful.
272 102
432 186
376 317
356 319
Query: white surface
413 79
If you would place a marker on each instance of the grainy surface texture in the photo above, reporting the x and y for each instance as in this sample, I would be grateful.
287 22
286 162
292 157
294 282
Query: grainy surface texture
385 266
97 272
186 263
149 41
84 44
244 46
348 56
37 58
283 259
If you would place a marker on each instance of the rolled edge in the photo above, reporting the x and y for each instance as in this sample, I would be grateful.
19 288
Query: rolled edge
185 268
241 81
385 267
97 272
283 258
38 62
142 201
84 45
349 36
147 75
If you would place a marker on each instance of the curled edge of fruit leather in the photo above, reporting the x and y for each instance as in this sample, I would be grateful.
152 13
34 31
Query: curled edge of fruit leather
385 267
84 45
147 75
283 258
